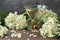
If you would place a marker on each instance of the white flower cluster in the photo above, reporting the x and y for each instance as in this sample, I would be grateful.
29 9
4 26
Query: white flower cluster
49 28
15 34
3 31
48 13
14 21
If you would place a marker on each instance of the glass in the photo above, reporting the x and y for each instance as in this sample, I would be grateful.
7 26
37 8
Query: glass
32 9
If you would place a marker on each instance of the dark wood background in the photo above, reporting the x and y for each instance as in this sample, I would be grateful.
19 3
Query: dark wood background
17 5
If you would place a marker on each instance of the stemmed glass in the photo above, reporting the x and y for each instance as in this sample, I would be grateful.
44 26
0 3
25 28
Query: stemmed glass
32 11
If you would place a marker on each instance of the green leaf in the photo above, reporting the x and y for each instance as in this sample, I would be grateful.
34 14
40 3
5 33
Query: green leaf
29 27
37 21
27 17
2 18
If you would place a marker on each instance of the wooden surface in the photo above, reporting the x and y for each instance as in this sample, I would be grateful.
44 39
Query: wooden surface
17 5
25 36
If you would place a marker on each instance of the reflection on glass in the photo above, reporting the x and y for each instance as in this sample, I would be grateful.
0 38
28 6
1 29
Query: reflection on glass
31 10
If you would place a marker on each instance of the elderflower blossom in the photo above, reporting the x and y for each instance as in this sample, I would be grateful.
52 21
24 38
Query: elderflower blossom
3 31
49 28
15 34
10 20
14 21
48 13
21 22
